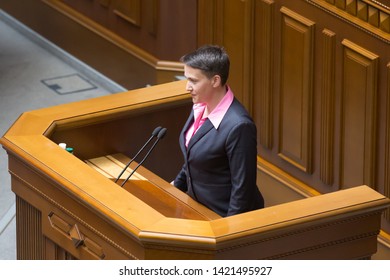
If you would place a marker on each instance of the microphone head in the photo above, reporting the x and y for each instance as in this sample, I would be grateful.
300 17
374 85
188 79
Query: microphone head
162 132
156 131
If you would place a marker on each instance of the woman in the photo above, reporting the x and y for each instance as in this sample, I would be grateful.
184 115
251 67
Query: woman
218 140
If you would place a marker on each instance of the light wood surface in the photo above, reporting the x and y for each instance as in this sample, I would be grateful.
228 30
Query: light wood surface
164 198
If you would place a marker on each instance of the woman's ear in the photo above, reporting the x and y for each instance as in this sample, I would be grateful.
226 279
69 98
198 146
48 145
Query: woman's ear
216 81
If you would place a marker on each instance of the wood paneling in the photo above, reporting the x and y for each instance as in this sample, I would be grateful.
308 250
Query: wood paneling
129 10
263 71
206 22
236 37
153 25
295 139
300 83
152 18
368 15
360 70
387 145
230 24
327 107
30 240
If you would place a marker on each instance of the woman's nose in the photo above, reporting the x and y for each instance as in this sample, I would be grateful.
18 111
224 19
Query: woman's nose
188 86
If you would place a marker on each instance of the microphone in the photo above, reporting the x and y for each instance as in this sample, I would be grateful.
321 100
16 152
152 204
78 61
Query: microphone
154 134
160 135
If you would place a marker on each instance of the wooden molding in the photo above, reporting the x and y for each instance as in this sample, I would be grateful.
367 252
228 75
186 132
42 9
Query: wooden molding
387 146
285 179
359 109
263 71
296 93
129 10
327 107
370 16
29 225
115 39
384 238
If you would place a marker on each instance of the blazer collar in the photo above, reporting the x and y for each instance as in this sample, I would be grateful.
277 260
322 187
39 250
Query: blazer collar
202 131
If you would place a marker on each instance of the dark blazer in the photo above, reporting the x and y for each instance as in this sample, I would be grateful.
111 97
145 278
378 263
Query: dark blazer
220 165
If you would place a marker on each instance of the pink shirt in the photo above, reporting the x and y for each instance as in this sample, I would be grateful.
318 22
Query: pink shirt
215 116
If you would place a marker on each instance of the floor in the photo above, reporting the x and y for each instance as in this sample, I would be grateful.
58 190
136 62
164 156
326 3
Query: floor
34 74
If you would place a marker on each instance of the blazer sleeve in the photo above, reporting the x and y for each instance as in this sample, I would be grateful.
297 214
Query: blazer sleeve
241 148
180 181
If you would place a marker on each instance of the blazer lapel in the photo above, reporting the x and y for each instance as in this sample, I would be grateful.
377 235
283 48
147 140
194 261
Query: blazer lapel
202 131
182 139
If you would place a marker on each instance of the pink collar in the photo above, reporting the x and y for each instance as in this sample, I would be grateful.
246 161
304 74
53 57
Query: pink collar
219 112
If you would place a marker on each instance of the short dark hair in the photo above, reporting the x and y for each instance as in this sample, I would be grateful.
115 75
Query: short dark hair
211 60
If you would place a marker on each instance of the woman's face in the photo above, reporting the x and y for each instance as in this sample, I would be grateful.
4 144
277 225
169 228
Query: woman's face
199 85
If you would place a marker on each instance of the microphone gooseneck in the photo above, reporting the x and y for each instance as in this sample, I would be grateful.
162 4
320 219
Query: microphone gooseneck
160 135
155 133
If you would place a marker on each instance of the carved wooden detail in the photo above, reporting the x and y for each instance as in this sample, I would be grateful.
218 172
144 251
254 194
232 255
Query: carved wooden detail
129 10
327 107
359 94
387 147
30 240
371 16
263 71
295 139
340 4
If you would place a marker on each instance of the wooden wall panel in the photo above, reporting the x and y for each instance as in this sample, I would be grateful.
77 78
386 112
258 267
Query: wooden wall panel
230 24
387 145
263 71
236 37
206 22
327 107
358 116
151 19
163 29
129 10
370 15
295 139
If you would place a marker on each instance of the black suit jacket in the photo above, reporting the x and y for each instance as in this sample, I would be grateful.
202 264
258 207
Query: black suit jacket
220 165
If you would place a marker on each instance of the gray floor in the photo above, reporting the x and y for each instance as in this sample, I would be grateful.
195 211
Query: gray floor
35 74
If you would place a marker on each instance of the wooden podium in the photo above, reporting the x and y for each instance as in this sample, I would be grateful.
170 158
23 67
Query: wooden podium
69 207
